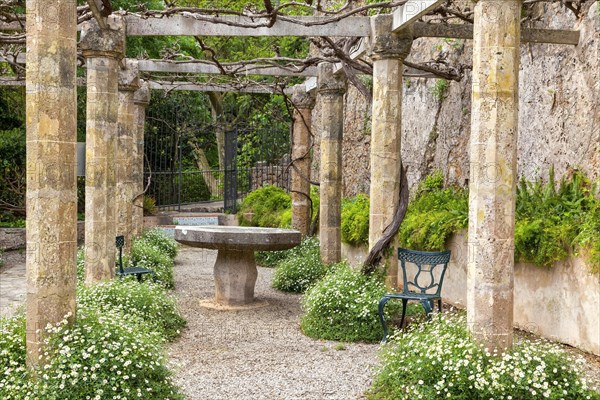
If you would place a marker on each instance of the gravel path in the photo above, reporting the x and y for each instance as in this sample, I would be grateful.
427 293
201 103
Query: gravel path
258 353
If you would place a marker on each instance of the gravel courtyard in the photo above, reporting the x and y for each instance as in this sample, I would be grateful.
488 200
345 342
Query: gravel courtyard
257 353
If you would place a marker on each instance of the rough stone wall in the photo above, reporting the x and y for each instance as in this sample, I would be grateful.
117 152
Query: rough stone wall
559 121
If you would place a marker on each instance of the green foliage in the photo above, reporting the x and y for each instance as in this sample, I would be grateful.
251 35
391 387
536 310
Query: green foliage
149 206
157 238
343 306
146 255
553 222
355 220
301 268
439 359
12 222
440 89
12 167
434 215
146 300
266 205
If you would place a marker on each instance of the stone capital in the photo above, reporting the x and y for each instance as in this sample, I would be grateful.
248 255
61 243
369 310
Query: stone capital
388 45
97 42
141 96
301 98
129 78
328 83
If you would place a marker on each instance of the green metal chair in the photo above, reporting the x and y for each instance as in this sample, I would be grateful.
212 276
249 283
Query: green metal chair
122 272
424 290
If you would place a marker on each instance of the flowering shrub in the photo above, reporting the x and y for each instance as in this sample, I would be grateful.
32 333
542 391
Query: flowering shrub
146 255
439 359
159 239
146 300
301 268
105 355
343 306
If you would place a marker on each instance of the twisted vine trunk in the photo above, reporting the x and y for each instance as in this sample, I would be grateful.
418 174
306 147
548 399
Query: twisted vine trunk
376 254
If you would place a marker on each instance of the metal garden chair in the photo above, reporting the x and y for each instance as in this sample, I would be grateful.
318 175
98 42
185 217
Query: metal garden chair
424 290
137 271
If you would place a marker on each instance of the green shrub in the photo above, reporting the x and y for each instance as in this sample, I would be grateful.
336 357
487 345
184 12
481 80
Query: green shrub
271 259
12 166
149 206
159 239
146 255
434 215
355 220
439 359
301 268
588 239
266 205
552 222
343 306
104 354
146 300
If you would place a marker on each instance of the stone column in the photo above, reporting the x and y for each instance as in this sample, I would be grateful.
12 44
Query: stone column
103 49
493 164
141 99
51 180
331 89
300 172
126 151
388 51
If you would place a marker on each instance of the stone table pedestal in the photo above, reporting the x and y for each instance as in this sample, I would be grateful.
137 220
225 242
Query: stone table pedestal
235 269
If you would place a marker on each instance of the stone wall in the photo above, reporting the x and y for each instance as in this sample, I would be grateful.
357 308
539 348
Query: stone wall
559 121
560 303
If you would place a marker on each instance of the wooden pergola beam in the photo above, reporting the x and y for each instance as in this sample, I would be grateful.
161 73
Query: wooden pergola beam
465 31
411 11
177 86
208 25
209 68
212 87
351 26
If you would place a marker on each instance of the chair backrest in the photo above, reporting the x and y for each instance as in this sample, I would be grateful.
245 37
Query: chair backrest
427 263
120 242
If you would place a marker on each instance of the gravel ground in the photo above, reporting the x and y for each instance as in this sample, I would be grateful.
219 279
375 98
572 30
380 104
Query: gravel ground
258 353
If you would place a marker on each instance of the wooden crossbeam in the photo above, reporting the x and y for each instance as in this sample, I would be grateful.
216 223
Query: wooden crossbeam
465 31
158 85
209 68
208 25
411 11
208 87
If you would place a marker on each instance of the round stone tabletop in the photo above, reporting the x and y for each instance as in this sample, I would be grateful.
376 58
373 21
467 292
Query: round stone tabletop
237 237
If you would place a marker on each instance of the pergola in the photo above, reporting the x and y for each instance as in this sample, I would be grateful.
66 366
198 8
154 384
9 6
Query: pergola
116 101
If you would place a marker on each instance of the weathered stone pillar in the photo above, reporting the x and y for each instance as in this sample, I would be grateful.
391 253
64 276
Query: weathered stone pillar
126 162
493 163
388 51
331 89
51 180
141 100
300 172
103 50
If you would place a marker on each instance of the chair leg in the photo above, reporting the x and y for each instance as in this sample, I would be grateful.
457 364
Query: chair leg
428 307
440 305
404 306
382 304
139 277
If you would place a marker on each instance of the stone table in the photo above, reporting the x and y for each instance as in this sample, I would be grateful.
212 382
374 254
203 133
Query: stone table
235 268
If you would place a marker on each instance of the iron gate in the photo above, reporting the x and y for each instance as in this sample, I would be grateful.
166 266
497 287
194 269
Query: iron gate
181 154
